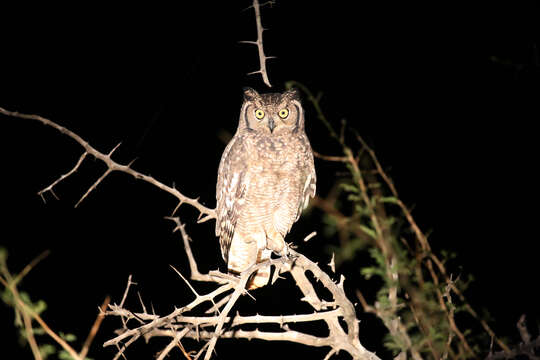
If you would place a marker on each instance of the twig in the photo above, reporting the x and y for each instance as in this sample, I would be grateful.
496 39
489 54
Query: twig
195 273
342 159
259 43
30 266
95 328
311 235
175 341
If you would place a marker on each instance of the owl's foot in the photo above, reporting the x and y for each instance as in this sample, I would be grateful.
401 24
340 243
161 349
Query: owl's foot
276 243
285 251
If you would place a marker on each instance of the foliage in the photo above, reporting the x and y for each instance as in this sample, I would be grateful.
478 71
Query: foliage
26 309
417 300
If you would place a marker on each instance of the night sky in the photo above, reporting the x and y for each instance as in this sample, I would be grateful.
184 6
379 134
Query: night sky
447 95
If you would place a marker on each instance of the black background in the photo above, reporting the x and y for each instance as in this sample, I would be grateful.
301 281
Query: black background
447 95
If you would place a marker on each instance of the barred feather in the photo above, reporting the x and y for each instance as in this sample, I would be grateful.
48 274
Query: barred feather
265 180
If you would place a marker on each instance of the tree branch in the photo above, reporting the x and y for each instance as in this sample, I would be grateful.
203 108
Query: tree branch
176 325
205 213
259 43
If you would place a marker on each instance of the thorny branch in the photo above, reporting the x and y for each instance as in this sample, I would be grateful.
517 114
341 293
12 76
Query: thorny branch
222 325
205 213
259 43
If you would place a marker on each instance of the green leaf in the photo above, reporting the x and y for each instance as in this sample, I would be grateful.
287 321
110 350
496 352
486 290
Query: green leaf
64 355
25 298
46 350
68 337
7 297
368 231
389 199
349 188
40 306
368 272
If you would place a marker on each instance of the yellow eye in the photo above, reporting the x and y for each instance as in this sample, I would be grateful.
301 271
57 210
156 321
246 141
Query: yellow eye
283 113
259 114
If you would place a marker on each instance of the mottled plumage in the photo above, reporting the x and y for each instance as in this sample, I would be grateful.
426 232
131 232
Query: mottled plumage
265 179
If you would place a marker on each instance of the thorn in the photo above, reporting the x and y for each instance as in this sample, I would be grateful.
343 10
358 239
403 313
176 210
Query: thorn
114 149
187 282
177 207
52 192
332 263
249 294
40 193
205 219
249 42
142 304
341 281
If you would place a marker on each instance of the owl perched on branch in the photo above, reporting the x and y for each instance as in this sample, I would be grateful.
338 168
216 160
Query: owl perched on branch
265 179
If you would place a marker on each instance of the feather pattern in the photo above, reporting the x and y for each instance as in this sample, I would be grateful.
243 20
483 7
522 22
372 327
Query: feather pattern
265 179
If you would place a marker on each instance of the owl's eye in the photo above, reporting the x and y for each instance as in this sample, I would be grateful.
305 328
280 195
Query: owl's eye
283 113
259 114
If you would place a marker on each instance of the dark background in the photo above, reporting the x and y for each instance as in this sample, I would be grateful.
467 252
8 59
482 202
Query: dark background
446 94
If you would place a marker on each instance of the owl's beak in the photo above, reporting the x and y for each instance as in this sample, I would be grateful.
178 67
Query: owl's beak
271 124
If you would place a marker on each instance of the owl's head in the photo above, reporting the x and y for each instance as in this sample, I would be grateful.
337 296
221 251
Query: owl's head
273 113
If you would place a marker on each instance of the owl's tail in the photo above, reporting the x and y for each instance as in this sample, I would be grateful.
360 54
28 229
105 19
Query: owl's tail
260 277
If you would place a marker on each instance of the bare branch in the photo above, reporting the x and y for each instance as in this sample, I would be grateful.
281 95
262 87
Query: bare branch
311 235
111 166
95 328
195 274
259 43
223 325
62 177
30 266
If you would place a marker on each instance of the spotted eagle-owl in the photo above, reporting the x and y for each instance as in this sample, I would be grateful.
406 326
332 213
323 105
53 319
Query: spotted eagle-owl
265 179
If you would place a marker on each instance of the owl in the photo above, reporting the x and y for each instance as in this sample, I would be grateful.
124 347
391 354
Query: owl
265 179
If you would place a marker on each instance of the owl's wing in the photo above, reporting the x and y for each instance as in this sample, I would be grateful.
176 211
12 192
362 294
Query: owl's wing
230 192
310 184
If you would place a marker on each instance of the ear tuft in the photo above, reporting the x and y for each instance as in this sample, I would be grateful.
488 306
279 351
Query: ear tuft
250 94
292 94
